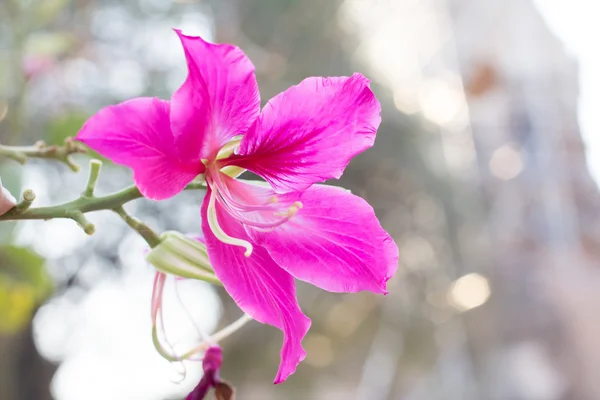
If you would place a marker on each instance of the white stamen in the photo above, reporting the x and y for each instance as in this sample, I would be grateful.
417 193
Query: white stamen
213 222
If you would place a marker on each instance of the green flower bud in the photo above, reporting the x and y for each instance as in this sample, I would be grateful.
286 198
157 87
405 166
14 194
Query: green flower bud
182 256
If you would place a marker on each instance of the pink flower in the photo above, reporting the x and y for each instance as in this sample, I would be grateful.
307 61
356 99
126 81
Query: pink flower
260 236
7 201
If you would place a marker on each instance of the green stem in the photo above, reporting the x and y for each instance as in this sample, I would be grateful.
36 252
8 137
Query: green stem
23 205
82 221
77 208
81 204
42 150
87 202
95 166
85 205
144 230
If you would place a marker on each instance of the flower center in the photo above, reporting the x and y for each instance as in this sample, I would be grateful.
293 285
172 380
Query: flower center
229 148
213 222
251 205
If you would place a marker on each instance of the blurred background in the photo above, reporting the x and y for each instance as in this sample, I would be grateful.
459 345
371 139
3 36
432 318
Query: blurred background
485 172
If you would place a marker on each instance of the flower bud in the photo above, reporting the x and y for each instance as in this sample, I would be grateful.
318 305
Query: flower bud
211 364
182 256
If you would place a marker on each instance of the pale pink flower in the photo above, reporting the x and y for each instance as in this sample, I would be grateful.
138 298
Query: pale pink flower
260 236
7 200
36 64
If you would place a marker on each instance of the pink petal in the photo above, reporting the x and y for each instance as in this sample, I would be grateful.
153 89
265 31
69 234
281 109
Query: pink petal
136 133
218 100
309 133
334 242
7 200
259 287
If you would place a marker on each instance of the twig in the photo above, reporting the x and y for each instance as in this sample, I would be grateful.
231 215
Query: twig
87 202
23 205
84 205
95 166
82 221
144 230
42 150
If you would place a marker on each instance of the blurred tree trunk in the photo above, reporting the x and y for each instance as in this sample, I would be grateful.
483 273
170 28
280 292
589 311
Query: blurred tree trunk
24 375
522 103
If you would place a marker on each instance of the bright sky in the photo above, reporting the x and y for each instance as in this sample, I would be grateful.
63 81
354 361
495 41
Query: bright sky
103 341
576 24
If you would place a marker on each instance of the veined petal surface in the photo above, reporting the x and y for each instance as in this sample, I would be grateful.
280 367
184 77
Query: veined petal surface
259 287
137 134
309 133
218 100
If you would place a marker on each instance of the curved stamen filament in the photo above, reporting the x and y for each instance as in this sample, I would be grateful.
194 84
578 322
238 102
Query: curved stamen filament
213 222
157 294
239 215
230 200
242 212
157 316
158 328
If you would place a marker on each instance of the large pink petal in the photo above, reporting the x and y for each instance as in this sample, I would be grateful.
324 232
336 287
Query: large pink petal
218 100
259 287
334 242
309 133
136 133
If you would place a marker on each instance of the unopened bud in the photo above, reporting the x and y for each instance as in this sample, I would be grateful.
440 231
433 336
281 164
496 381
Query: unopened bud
182 256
